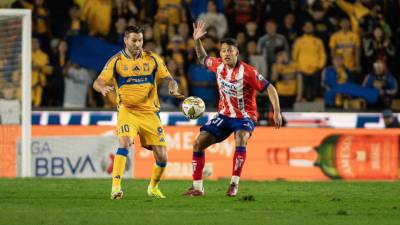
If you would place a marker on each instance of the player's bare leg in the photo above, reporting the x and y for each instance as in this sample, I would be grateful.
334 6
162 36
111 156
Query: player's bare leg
125 143
160 156
241 138
204 140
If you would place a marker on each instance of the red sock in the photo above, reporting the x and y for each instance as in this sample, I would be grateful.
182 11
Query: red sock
238 161
198 165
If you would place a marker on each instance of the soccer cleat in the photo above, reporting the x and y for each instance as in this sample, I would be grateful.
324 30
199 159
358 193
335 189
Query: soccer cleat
193 192
154 192
117 193
232 190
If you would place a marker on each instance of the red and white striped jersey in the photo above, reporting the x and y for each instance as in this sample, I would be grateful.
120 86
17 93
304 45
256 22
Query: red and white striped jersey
237 88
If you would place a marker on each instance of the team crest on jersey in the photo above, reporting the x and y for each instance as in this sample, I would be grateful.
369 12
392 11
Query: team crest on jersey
159 130
209 63
146 67
136 68
125 68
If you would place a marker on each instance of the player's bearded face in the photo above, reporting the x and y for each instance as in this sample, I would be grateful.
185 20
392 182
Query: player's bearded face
134 43
229 54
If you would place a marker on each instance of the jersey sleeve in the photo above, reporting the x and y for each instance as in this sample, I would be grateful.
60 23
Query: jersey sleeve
256 80
162 70
107 74
212 63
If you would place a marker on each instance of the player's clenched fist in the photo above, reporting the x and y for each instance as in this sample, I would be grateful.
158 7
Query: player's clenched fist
106 89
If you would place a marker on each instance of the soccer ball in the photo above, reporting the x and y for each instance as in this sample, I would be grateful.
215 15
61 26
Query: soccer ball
193 107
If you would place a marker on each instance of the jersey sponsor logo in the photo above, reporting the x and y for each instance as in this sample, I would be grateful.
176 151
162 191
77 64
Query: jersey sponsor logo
209 63
138 79
159 130
260 77
247 124
228 88
136 68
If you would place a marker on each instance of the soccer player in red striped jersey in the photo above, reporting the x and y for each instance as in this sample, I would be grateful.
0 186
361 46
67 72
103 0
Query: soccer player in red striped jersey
238 83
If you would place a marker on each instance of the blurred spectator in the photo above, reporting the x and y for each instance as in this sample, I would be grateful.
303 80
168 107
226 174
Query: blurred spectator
197 7
77 81
125 8
147 11
356 11
346 43
151 45
176 52
277 9
40 70
75 25
287 79
323 26
374 19
59 16
148 33
16 81
339 87
162 29
389 119
271 41
241 41
309 54
333 76
378 47
215 19
383 81
54 89
253 58
117 32
252 31
184 33
10 107
97 14
242 11
289 28
174 10
209 44
40 21
203 84
132 21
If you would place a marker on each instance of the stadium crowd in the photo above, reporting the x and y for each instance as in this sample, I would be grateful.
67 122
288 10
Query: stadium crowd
344 53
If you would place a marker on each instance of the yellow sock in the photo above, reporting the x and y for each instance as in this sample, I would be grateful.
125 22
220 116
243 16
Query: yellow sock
119 166
157 173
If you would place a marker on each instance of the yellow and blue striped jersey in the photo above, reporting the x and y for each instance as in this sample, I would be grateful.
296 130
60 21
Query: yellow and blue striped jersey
135 80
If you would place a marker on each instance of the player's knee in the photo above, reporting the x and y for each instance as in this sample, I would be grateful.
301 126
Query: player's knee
160 154
163 158
197 146
241 138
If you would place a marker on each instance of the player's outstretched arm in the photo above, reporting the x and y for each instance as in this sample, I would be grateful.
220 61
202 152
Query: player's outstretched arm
198 33
273 97
100 86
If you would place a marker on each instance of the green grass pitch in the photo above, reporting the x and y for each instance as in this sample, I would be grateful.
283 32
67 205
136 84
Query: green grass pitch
86 201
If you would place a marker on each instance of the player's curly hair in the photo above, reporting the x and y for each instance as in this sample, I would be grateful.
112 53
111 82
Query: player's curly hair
133 29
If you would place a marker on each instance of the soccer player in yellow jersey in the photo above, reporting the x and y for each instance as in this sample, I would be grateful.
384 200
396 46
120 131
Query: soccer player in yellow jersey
346 43
135 73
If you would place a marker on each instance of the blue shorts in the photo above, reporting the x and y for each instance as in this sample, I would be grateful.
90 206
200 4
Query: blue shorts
222 126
